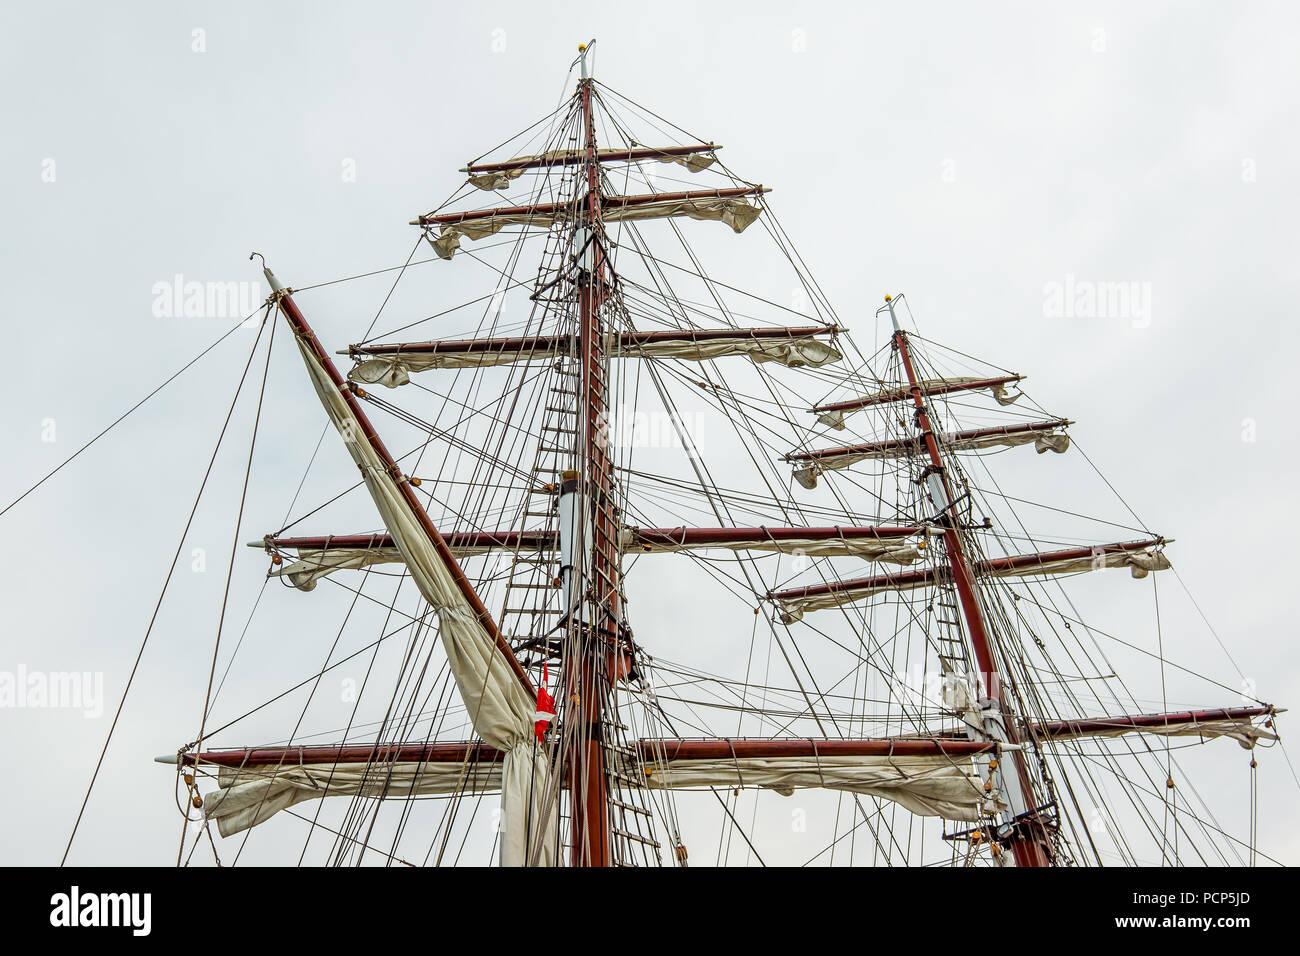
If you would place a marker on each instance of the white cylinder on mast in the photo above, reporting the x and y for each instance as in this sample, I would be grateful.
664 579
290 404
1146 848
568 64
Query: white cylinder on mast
575 535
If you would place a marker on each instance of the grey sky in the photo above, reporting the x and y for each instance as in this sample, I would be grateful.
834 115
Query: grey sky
967 156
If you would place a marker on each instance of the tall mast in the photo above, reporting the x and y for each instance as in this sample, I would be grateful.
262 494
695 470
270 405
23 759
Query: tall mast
592 637
1029 844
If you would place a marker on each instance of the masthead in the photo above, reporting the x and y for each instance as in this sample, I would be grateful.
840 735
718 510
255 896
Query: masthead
582 56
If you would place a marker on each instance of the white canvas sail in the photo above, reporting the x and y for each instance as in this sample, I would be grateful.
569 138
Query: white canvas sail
792 351
735 212
932 785
502 178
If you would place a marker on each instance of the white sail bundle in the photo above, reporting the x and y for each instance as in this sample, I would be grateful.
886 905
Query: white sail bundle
942 785
936 786
792 351
732 210
1139 563
1241 729
834 417
793 605
493 179
889 550
247 796
310 565
313 564
797 350
1049 436
501 709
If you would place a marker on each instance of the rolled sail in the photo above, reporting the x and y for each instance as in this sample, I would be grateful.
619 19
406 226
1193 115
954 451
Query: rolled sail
890 546
318 557
391 365
936 786
500 175
1140 557
718 205
247 796
929 777
314 564
1044 436
1237 723
833 415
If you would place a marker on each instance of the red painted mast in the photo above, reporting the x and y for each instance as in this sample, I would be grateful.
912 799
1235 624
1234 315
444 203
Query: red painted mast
1029 844
591 638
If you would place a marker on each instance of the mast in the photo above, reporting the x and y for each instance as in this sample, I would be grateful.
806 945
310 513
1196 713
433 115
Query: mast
1029 844
591 638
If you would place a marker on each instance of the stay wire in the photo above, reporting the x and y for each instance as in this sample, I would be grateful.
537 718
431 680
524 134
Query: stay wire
167 581
234 551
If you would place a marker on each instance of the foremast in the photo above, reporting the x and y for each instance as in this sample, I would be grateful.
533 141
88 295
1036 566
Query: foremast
1028 839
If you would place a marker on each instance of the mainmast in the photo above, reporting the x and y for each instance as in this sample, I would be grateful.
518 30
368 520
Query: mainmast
1028 841
592 638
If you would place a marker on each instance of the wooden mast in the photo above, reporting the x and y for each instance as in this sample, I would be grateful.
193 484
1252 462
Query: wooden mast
1028 842
592 637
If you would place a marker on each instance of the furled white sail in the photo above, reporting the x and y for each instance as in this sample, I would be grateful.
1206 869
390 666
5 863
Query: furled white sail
932 785
247 796
1241 729
312 564
887 550
502 178
939 785
1139 563
1047 438
834 417
794 351
735 212
497 702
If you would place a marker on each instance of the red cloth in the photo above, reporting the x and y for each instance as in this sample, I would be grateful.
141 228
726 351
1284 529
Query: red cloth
545 709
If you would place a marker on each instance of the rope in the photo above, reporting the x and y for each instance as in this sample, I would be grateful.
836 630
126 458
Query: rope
158 605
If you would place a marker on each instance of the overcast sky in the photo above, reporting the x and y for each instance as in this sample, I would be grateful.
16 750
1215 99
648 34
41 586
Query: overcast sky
976 157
